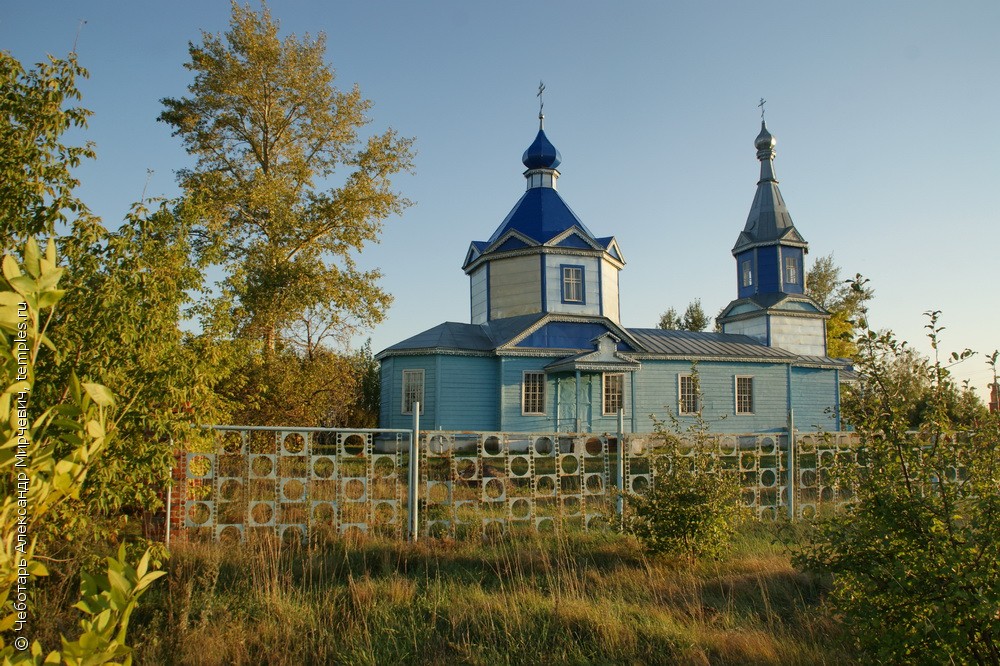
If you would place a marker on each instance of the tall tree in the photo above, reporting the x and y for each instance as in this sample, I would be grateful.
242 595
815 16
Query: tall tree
270 132
670 320
37 106
826 286
694 318
117 323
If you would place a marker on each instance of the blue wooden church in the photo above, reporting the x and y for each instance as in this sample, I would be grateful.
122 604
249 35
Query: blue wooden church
545 349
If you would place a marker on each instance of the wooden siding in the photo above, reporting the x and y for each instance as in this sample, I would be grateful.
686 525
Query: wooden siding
512 419
756 328
391 415
484 393
801 335
745 291
609 290
657 394
797 286
515 286
468 394
768 276
553 284
814 399
477 288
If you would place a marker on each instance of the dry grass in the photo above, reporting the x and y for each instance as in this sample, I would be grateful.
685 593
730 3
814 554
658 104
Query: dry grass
575 599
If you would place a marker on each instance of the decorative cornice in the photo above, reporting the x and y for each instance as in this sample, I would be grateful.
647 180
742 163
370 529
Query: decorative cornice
556 317
429 351
743 316
542 249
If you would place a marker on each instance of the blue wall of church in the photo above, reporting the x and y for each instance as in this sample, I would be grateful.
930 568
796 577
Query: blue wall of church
813 390
459 392
768 277
484 393
742 290
796 253
657 388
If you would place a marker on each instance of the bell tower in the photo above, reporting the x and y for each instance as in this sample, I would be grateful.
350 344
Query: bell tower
771 303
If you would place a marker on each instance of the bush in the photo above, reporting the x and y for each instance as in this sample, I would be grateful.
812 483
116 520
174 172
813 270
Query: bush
694 506
39 475
918 550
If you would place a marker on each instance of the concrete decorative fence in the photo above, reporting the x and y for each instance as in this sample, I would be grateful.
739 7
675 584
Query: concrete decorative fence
298 482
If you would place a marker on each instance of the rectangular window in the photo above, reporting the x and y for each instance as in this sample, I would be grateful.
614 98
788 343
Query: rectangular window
791 270
413 390
747 274
688 392
614 392
572 284
533 393
744 395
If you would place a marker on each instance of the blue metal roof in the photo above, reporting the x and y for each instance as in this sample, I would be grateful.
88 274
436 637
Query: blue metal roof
654 342
769 220
692 343
541 154
541 214
453 336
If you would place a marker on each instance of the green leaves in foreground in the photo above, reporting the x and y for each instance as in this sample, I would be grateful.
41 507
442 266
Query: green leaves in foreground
915 559
45 456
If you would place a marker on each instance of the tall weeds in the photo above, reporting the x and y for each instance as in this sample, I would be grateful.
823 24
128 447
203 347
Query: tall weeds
578 598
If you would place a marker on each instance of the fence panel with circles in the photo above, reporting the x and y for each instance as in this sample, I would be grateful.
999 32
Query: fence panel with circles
295 482
482 483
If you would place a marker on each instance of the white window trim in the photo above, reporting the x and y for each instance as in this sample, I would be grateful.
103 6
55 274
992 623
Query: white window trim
736 396
746 269
680 397
604 392
402 404
524 384
580 284
791 270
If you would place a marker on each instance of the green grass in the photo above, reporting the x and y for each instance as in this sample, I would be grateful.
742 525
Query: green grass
576 599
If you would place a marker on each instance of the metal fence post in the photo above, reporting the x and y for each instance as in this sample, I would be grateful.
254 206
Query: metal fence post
620 467
170 500
790 485
414 472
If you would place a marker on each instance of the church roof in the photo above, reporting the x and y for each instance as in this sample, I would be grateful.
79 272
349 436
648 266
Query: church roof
769 221
775 302
541 154
541 214
458 337
488 338
692 344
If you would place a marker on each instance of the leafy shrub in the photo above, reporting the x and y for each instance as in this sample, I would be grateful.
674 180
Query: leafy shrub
693 507
39 477
918 550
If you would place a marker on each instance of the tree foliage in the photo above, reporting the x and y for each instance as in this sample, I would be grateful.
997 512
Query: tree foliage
919 546
825 285
270 132
36 180
694 318
46 455
120 324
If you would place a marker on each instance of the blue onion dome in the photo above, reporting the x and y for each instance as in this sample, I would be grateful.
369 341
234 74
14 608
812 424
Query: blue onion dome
541 154
764 140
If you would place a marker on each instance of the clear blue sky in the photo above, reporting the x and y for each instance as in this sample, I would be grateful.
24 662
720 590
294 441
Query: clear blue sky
886 115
